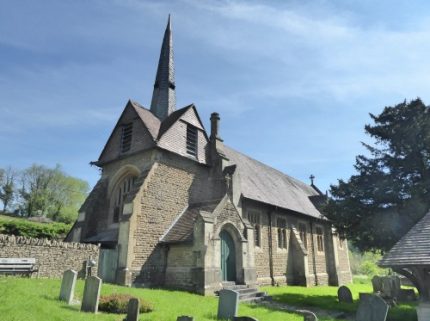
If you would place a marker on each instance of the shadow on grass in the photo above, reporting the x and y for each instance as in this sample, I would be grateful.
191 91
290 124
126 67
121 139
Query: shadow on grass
402 312
327 302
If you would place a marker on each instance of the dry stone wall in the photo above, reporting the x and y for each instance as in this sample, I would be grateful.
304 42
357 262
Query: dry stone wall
52 257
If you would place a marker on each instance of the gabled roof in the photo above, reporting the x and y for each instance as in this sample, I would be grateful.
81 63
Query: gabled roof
413 249
182 228
151 122
265 184
171 119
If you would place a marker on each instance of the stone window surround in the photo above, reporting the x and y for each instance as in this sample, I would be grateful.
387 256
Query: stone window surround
317 227
282 249
301 223
257 214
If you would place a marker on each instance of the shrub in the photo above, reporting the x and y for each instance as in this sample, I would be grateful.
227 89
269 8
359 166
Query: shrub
118 302
21 227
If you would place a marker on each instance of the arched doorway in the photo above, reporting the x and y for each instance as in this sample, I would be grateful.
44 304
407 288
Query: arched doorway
228 257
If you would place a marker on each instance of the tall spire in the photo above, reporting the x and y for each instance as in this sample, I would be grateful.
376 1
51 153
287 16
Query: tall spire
164 96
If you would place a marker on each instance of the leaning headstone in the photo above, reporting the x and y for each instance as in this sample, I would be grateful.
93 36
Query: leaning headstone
68 286
244 319
308 315
185 318
133 310
90 300
344 295
390 286
372 308
227 304
377 284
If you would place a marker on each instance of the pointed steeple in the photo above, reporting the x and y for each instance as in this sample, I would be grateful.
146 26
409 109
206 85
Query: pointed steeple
164 96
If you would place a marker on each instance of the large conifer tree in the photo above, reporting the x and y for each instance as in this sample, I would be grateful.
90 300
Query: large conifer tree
391 190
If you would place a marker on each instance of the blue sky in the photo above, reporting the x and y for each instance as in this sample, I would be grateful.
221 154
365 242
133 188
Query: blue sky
293 81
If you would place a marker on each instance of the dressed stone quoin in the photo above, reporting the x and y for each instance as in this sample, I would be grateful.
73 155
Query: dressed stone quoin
175 207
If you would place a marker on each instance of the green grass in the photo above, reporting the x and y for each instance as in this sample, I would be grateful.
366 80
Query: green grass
24 299
325 297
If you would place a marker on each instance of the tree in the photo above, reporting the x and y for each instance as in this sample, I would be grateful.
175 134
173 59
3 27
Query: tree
52 193
7 182
391 190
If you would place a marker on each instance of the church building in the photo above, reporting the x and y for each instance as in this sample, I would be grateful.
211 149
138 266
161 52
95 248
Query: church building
176 207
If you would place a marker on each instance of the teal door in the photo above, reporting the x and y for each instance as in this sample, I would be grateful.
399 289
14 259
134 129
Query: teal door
228 257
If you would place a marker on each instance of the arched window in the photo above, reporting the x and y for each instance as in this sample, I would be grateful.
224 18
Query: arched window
118 196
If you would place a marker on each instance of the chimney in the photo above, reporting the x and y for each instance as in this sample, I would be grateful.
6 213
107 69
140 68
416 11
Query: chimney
215 126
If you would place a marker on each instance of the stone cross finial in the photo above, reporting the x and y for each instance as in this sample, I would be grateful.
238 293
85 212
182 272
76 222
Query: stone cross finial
312 177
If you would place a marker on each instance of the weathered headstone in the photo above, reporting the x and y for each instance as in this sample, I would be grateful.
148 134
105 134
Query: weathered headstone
387 286
68 286
344 295
90 300
308 315
372 308
244 319
227 304
133 310
377 284
185 318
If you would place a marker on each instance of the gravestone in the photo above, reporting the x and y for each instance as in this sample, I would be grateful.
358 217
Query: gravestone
227 304
388 286
372 308
308 315
90 300
344 295
244 319
68 286
185 318
133 310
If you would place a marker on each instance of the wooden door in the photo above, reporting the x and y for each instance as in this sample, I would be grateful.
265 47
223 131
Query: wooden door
228 257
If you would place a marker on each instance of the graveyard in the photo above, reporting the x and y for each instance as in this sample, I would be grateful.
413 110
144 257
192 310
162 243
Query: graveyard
38 299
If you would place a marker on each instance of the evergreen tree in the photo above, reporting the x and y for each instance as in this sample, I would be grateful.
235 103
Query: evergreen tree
391 190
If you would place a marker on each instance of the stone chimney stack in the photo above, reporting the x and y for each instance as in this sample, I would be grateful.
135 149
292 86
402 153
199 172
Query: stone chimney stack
215 126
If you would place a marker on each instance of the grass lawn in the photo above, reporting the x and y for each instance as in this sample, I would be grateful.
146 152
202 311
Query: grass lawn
325 297
23 299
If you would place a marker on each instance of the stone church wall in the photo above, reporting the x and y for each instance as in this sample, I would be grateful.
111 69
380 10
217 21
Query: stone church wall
52 257
283 272
166 196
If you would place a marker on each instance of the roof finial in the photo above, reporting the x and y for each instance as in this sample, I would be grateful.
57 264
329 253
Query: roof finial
164 96
312 177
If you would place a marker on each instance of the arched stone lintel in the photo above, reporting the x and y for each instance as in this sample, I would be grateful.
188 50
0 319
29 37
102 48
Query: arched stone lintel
120 174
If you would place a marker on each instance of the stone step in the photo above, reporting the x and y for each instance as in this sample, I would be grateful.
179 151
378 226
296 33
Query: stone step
236 287
246 290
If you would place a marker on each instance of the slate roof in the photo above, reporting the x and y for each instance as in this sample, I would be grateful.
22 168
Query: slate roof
151 122
265 184
182 228
413 249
